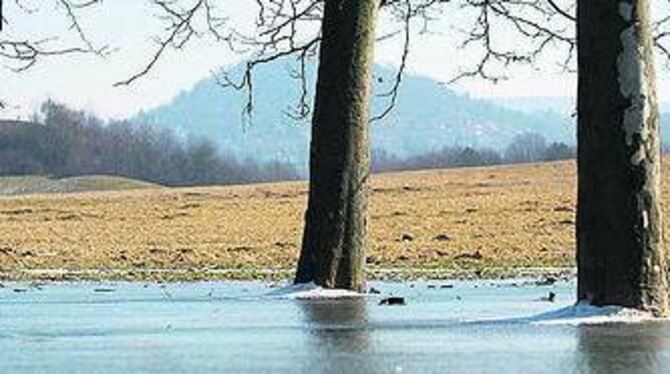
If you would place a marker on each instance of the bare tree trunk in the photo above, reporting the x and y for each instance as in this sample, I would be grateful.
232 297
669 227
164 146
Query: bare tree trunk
620 253
334 240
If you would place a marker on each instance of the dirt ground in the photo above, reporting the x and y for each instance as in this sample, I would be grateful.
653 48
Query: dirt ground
453 220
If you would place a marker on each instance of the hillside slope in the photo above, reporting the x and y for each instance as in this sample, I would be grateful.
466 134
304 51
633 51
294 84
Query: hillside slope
21 185
428 117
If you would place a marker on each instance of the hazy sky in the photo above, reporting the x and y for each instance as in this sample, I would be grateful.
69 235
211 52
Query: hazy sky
127 26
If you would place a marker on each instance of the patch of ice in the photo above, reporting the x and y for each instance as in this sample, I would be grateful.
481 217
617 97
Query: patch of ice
586 314
311 291
579 314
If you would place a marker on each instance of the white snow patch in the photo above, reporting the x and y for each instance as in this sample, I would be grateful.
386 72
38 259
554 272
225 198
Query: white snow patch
586 314
311 291
633 82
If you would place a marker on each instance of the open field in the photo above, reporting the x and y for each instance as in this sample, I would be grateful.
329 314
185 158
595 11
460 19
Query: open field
450 221
454 221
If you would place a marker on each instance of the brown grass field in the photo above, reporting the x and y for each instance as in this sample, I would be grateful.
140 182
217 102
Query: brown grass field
446 222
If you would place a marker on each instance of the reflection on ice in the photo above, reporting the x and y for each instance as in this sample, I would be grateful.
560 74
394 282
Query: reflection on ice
623 348
338 337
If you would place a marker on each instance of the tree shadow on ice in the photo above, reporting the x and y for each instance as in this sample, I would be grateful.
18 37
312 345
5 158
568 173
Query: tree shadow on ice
338 337
624 347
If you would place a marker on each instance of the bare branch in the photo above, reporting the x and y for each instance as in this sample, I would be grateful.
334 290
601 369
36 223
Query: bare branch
285 29
392 94
180 30
561 11
290 28
25 53
538 23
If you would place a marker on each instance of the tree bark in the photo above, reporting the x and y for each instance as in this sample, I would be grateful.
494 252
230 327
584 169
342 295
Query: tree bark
620 253
334 239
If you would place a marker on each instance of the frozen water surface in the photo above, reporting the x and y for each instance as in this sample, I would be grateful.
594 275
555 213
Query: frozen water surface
471 327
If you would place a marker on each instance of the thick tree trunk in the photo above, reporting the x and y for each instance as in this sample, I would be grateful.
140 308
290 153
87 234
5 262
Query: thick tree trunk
620 253
334 240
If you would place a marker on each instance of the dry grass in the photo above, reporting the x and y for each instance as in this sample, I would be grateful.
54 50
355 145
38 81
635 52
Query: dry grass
466 218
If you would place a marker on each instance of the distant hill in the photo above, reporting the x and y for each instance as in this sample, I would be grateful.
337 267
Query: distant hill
563 106
428 117
566 107
19 185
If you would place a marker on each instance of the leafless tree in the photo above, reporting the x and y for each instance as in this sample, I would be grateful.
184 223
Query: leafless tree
621 255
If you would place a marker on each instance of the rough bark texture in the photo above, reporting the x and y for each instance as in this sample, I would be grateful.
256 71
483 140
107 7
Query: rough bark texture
334 240
620 253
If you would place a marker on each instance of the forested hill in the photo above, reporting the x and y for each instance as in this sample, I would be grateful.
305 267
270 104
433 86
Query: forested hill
428 117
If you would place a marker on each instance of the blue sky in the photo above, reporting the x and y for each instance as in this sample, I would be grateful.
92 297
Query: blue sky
127 26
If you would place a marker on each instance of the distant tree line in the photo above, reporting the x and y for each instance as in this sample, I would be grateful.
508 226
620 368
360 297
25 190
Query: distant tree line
528 147
61 142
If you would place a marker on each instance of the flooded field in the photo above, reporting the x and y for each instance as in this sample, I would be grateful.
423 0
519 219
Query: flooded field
480 327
